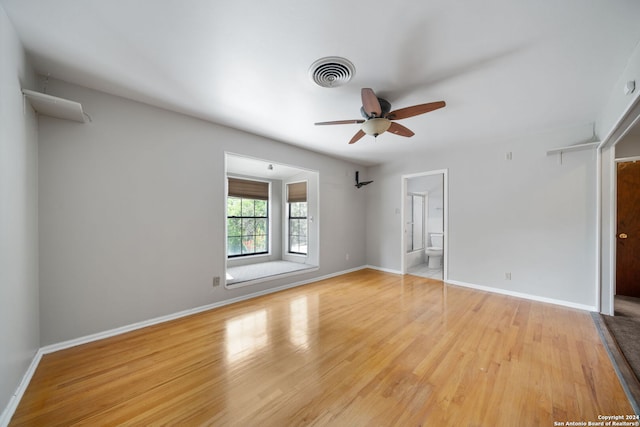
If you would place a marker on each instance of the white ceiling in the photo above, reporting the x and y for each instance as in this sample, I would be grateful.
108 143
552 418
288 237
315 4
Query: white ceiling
504 67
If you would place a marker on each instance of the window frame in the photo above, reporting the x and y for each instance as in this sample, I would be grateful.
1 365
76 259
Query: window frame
267 219
297 218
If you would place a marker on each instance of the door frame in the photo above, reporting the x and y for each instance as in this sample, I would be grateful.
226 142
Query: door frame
445 218
606 215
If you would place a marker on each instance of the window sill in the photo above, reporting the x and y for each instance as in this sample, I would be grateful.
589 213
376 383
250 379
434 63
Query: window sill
265 272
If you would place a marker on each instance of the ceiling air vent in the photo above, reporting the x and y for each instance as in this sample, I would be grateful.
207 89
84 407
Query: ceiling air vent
331 71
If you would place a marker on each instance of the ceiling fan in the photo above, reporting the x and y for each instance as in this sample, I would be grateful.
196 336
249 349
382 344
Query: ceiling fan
379 117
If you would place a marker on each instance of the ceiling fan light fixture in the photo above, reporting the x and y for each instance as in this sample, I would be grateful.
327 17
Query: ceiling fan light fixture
376 126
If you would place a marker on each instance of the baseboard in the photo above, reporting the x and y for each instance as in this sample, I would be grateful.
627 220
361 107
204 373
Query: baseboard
9 410
143 324
386 270
11 407
522 295
15 399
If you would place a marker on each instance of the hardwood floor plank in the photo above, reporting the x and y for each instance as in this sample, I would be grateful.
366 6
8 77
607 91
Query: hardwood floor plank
366 348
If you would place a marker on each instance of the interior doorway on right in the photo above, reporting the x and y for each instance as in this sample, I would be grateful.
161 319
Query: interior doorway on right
627 237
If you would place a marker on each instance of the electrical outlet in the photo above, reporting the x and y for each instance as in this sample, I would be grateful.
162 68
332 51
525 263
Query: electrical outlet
507 276
346 257
216 281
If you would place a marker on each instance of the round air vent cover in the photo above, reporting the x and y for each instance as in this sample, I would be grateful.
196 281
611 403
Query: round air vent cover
332 71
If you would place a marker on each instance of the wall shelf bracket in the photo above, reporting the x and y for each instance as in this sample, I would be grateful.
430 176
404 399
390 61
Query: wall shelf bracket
576 147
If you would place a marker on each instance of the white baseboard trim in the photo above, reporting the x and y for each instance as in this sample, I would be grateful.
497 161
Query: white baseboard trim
143 324
386 270
9 410
11 407
523 295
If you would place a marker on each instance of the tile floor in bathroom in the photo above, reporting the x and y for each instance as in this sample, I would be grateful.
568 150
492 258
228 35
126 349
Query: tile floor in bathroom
423 270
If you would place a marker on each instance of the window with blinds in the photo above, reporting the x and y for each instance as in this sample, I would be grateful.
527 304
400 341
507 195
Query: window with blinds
247 217
298 227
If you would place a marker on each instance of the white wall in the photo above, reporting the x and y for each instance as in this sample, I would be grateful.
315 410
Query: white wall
132 213
19 333
530 216
618 103
628 147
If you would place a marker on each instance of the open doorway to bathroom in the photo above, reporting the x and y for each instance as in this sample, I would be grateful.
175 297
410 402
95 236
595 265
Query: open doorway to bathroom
424 224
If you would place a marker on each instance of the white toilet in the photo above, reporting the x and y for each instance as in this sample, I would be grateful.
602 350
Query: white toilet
434 252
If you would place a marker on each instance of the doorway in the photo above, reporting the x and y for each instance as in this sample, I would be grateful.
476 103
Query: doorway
424 224
628 227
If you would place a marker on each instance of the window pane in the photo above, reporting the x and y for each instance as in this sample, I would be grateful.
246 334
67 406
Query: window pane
296 210
247 207
298 227
248 245
234 227
234 246
261 226
261 243
261 208
234 206
248 226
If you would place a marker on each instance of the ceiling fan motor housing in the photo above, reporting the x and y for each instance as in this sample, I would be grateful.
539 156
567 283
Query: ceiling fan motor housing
385 106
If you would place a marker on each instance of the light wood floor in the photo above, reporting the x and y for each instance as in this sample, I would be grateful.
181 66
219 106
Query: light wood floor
367 348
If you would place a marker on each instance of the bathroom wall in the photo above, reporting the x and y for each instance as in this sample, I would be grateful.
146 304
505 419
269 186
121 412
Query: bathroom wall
433 185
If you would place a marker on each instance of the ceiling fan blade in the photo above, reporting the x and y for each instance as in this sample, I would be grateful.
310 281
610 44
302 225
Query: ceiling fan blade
415 110
370 103
357 136
340 122
398 129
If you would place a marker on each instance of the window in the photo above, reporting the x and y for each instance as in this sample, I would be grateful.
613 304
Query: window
247 218
298 226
